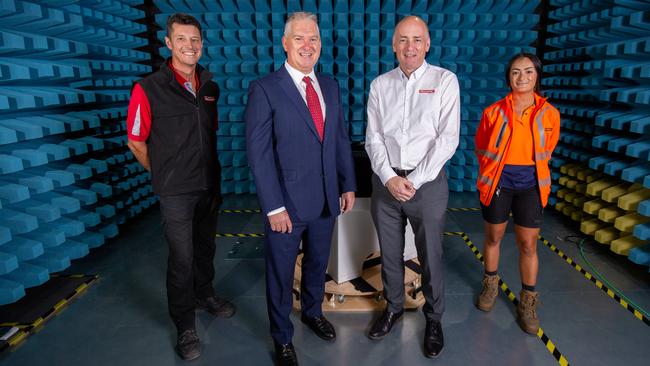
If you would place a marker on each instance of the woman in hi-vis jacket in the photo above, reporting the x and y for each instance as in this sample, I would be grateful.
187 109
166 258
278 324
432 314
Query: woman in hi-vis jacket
514 142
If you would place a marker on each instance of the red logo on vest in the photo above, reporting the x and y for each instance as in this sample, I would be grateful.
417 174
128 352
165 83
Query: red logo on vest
427 91
208 98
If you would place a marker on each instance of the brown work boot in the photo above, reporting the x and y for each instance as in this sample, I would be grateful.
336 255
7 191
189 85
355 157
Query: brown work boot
527 312
489 292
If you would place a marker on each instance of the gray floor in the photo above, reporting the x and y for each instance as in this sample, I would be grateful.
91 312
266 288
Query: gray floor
122 320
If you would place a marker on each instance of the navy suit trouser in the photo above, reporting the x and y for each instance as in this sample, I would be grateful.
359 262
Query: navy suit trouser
281 253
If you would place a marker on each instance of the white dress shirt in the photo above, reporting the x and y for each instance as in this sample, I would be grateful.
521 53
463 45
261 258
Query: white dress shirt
413 122
297 77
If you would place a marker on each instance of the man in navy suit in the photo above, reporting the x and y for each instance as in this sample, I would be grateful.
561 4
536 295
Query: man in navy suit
299 152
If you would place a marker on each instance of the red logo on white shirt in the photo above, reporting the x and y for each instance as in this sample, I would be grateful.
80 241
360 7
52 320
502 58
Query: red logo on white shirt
427 91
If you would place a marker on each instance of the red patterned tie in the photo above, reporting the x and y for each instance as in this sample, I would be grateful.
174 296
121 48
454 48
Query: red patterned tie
314 107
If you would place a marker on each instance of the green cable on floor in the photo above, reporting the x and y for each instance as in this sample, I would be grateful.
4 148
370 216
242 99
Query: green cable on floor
603 279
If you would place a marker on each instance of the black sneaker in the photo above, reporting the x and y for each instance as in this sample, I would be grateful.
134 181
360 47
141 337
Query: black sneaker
216 306
188 345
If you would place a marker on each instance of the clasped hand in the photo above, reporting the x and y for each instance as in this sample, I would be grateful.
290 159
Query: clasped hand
401 188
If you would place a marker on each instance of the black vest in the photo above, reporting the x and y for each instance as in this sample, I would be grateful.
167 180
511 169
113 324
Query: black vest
182 144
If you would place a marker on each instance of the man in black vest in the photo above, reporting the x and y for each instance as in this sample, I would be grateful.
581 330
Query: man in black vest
171 124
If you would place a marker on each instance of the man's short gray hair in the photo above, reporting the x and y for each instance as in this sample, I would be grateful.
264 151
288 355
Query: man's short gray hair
299 15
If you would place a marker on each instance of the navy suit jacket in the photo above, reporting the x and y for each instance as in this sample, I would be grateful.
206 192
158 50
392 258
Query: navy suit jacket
292 168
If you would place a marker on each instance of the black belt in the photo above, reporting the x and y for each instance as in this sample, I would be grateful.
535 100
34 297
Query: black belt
402 172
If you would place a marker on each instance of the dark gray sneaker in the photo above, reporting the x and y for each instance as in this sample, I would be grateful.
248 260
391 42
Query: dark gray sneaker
188 345
216 306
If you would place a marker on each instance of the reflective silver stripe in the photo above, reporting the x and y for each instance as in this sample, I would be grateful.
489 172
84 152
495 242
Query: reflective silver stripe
188 87
135 131
485 180
540 126
503 126
545 182
543 155
487 154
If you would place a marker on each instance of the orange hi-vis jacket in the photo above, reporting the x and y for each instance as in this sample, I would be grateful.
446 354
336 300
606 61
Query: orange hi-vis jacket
494 138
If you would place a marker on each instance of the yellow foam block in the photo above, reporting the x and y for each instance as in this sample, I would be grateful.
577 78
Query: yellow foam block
584 175
579 201
594 177
560 193
564 169
570 196
581 188
572 183
630 201
590 226
595 188
560 205
592 207
609 214
577 215
606 235
581 172
587 217
563 179
569 209
635 187
624 244
612 194
573 171
628 222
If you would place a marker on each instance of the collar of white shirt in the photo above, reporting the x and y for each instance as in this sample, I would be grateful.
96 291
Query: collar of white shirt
415 74
297 75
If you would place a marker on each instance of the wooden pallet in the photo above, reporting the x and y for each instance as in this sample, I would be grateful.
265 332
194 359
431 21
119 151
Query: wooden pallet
364 293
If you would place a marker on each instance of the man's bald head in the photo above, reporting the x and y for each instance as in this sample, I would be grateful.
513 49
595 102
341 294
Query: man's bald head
411 43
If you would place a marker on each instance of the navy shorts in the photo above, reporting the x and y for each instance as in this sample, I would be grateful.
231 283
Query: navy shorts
525 205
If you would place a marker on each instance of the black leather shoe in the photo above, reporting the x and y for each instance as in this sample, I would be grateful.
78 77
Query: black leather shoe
286 355
188 345
434 341
320 326
216 306
384 324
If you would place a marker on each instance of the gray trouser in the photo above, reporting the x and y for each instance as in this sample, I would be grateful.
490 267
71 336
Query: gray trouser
426 213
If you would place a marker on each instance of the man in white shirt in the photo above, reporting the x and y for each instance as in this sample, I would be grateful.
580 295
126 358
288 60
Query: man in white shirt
300 155
413 129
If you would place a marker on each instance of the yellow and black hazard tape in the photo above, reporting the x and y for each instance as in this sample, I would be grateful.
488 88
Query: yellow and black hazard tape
240 235
248 210
637 314
550 346
463 209
27 328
